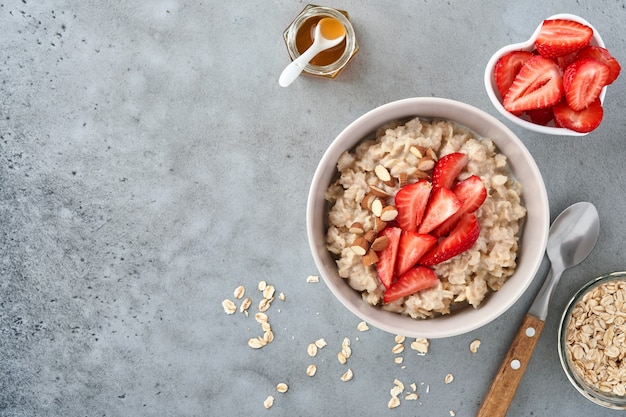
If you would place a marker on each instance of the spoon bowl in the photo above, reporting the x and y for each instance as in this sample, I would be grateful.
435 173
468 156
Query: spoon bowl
329 32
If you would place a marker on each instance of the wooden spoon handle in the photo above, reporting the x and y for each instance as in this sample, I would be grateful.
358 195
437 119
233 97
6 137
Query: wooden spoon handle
512 368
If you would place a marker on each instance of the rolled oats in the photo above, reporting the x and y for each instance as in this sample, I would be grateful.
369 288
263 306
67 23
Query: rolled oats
362 327
449 378
312 349
269 401
347 376
229 306
420 345
474 346
282 387
239 292
595 335
320 343
311 370
312 279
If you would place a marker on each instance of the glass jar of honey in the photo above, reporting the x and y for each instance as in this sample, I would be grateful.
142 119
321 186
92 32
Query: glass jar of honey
299 37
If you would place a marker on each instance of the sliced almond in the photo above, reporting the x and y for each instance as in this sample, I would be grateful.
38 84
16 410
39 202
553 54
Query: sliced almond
426 164
388 213
356 228
377 207
403 178
360 246
421 175
370 258
417 151
432 154
367 201
370 236
383 174
380 243
379 224
379 192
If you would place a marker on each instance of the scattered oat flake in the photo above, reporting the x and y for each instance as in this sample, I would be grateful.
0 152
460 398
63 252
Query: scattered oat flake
347 376
268 292
312 278
312 349
474 346
229 306
420 345
281 296
239 292
268 336
362 327
261 318
264 304
393 402
245 305
256 342
398 348
262 285
320 343
449 378
282 387
398 384
341 357
399 338
411 396
311 370
398 359
452 413
413 386
269 401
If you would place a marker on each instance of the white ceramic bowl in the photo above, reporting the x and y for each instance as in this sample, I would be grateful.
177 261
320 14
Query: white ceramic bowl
532 245
529 45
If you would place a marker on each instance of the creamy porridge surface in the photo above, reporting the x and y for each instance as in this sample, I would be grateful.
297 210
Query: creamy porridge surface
464 279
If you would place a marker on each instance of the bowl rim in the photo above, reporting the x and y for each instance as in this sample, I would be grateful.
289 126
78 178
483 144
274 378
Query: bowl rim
488 126
595 397
529 45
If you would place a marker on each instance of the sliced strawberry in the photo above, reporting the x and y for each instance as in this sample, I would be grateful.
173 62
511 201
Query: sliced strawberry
442 204
386 264
507 68
462 237
565 60
559 37
414 280
604 56
541 116
472 193
448 168
583 81
583 121
412 247
411 202
538 84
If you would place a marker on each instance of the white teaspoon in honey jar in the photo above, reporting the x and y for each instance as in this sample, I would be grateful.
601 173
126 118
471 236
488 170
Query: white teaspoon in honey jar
329 32
572 237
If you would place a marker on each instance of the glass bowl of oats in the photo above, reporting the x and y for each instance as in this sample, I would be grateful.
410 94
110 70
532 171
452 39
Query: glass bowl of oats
394 146
592 340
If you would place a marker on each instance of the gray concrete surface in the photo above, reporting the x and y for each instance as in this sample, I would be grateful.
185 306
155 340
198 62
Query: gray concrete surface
150 164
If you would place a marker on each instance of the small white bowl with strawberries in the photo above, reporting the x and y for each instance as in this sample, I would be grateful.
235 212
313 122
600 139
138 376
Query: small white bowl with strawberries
555 82
427 217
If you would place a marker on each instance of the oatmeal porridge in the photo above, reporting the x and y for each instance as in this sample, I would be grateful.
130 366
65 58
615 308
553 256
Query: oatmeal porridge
408 153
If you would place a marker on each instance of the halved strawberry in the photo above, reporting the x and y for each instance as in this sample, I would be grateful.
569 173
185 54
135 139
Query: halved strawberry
414 280
604 56
448 168
583 121
442 204
412 246
411 202
385 267
462 237
472 193
507 68
558 37
541 116
583 81
565 60
538 84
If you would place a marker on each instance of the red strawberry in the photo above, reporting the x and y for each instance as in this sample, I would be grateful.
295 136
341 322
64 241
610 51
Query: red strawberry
411 202
538 84
604 56
442 204
560 37
414 280
387 257
448 168
471 192
565 60
541 116
462 237
412 247
583 81
507 68
583 121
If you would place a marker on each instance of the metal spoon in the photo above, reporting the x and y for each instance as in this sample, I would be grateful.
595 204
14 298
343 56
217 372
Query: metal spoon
572 237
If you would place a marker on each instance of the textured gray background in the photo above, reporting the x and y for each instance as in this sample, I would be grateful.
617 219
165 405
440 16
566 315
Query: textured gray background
150 164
